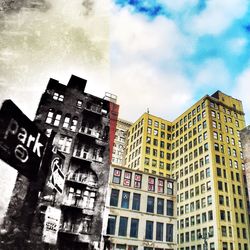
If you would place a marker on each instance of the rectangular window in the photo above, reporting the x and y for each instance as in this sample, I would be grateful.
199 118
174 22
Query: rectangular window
169 232
123 226
134 228
170 208
159 231
149 230
114 197
127 178
151 184
137 181
111 224
64 144
125 199
160 186
49 117
117 176
150 204
160 206
170 189
136 201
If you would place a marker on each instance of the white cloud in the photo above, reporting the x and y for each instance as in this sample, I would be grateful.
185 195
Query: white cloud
145 65
237 45
217 17
212 73
242 90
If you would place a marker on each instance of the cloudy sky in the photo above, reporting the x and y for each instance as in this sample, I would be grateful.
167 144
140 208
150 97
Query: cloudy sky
161 55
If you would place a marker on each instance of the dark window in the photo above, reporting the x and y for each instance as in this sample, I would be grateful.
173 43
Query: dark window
136 201
114 197
111 224
150 204
169 232
170 208
149 230
134 228
123 226
125 199
160 206
159 231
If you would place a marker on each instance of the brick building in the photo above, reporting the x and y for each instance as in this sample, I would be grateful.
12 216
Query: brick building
83 127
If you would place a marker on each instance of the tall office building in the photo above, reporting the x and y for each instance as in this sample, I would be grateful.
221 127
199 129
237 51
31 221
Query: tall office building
202 150
84 127
122 127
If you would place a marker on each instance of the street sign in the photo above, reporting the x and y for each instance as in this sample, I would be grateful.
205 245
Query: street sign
51 225
57 177
21 143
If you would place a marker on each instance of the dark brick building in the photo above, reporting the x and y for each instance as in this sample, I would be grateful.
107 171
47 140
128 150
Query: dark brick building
83 127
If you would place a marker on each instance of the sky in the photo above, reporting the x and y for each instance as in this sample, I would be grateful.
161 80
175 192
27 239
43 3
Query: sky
156 55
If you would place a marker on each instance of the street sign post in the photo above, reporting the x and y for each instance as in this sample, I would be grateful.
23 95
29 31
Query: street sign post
22 145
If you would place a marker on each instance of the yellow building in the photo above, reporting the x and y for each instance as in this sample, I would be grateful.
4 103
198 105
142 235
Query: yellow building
202 150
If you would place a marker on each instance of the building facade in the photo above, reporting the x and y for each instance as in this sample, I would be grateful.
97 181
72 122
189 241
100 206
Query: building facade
201 149
84 127
245 141
122 127
142 212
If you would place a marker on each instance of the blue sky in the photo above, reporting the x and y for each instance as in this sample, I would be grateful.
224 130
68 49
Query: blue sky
186 49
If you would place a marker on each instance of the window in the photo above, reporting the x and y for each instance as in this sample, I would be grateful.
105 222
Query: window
137 181
117 176
64 144
160 186
111 224
169 232
160 206
170 190
127 178
125 199
114 197
134 228
159 231
170 208
149 230
136 201
123 226
66 121
57 118
58 97
151 184
150 204
79 103
49 116
73 124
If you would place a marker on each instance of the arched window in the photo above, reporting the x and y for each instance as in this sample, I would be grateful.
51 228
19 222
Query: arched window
66 121
74 123
49 117
57 118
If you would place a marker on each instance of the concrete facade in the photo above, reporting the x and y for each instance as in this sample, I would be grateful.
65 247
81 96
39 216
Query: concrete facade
142 210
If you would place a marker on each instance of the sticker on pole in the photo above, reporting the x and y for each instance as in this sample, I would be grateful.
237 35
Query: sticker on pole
57 177
51 225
